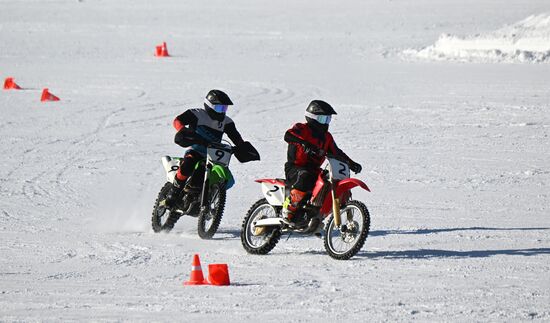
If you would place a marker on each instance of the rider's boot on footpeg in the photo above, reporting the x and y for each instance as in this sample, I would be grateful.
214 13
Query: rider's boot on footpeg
291 210
175 192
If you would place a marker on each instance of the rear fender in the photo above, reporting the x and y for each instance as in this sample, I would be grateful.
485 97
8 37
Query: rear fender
273 190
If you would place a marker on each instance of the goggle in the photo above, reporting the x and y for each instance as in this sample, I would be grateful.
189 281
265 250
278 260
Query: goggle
219 108
322 119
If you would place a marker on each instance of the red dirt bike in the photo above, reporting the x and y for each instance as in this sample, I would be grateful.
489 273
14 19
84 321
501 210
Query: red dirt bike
329 212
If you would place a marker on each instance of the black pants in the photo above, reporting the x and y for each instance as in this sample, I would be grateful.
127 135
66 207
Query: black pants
300 178
187 167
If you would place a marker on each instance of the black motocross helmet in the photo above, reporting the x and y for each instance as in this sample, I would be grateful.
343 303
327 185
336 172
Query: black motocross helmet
216 103
318 115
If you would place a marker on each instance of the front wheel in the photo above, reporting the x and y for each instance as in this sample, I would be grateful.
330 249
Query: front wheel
259 242
344 242
209 221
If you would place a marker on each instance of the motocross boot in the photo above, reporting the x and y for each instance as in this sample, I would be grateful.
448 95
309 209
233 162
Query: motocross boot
191 194
291 208
174 195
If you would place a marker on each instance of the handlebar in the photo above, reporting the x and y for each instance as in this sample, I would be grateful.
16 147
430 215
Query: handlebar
336 157
323 153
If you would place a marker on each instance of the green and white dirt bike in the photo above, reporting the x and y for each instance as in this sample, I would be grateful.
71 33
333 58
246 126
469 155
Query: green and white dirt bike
207 202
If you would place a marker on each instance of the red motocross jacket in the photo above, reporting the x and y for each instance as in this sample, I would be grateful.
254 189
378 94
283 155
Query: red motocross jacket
301 135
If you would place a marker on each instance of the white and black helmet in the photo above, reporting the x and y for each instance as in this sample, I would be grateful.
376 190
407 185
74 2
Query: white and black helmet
217 101
319 112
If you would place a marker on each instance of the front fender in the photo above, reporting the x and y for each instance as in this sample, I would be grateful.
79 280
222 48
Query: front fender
220 173
341 188
349 183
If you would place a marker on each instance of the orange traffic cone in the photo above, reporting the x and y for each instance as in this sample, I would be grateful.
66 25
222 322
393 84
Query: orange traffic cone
9 84
162 50
47 96
197 278
218 274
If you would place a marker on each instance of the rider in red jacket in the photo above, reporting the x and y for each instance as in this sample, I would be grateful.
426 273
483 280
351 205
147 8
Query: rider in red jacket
308 144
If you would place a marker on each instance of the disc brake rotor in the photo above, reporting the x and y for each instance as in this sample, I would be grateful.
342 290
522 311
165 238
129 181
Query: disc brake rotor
350 233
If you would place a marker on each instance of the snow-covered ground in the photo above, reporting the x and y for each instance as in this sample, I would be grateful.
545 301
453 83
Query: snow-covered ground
457 157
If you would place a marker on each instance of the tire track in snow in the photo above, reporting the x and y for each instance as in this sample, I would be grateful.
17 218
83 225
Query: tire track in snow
31 188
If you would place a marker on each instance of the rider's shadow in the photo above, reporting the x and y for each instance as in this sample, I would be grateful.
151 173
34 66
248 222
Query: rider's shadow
440 253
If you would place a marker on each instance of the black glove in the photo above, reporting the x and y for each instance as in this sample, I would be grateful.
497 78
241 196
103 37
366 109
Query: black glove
184 137
355 167
187 137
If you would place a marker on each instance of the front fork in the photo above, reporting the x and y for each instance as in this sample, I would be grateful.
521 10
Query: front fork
204 193
335 207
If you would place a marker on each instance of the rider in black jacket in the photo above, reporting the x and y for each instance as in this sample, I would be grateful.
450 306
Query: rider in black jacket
197 128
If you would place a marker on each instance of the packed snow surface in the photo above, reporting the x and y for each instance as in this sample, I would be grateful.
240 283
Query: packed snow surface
457 157
525 41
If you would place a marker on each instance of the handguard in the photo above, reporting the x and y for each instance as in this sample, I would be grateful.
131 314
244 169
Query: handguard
245 152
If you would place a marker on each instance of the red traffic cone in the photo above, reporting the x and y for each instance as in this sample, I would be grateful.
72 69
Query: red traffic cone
197 278
162 50
9 84
47 96
218 274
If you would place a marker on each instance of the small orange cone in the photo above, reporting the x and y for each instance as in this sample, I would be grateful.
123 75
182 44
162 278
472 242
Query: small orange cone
9 84
162 50
47 96
218 274
197 278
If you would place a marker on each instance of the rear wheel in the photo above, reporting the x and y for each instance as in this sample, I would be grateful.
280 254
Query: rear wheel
344 242
161 214
209 222
253 241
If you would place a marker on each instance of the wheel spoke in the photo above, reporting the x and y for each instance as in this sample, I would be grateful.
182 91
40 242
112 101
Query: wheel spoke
162 215
263 212
209 218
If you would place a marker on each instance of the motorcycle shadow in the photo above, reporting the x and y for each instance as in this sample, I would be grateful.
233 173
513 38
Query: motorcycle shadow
430 253
227 234
440 253
378 233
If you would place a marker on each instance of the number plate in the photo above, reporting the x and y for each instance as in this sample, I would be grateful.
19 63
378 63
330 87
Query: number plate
338 169
275 194
218 156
